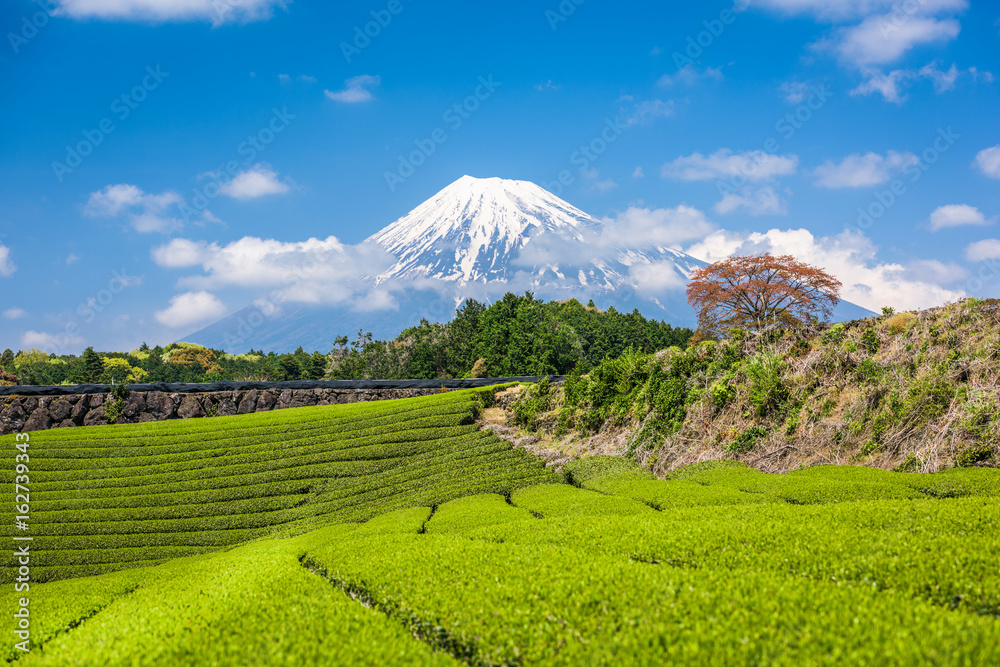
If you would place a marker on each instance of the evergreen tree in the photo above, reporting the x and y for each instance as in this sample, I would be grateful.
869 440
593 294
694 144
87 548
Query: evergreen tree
91 367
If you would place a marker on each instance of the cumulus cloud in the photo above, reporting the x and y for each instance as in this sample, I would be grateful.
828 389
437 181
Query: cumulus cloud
849 256
257 181
755 201
15 313
213 11
734 171
857 170
48 342
7 267
691 74
724 163
191 308
935 271
216 12
878 40
795 92
988 161
644 227
312 271
892 86
957 215
648 111
355 90
637 229
145 212
985 249
835 11
877 33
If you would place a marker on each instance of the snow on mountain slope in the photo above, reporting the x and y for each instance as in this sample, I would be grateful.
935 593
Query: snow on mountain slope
469 231
479 238
504 231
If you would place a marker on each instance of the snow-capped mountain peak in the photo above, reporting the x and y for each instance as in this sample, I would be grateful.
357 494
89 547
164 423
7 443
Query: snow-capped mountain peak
468 231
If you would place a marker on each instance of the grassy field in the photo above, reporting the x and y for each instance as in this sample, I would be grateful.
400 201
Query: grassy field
399 533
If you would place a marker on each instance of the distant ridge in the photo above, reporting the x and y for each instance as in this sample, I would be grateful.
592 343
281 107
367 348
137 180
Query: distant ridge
479 238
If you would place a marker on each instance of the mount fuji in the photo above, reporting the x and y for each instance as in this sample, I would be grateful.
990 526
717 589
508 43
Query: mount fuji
480 238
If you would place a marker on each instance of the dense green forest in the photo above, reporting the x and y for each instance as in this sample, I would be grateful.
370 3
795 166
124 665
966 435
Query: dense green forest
517 335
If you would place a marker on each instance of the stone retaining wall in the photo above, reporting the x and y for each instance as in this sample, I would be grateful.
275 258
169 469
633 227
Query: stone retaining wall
36 413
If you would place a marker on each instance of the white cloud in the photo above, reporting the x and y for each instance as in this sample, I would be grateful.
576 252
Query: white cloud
48 342
887 85
857 170
879 40
313 271
657 277
934 271
849 256
72 259
723 163
638 229
355 89
690 74
146 212
644 112
795 92
756 201
957 215
835 11
643 227
985 249
988 161
15 313
891 86
943 81
191 308
607 185
638 173
548 85
734 171
7 267
215 11
257 181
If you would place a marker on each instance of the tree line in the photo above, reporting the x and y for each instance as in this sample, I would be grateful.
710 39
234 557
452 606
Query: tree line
517 335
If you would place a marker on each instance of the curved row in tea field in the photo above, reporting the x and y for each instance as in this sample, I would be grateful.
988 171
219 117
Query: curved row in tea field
425 541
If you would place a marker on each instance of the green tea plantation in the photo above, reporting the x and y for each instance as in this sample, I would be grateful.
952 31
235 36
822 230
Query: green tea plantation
399 533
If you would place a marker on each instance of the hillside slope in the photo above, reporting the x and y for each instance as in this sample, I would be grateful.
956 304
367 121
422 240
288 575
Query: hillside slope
110 497
914 391
719 565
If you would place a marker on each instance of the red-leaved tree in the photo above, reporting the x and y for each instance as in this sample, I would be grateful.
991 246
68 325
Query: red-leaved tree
755 291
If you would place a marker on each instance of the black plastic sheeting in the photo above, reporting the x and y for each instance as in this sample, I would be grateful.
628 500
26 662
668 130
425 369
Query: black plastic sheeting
190 388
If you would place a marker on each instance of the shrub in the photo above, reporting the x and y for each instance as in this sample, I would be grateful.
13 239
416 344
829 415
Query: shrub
479 369
747 440
767 388
900 322
970 456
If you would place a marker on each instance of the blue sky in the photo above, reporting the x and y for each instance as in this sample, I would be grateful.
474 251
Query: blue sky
162 158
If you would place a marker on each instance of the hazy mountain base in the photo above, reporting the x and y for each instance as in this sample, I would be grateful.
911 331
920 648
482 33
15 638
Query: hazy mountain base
910 391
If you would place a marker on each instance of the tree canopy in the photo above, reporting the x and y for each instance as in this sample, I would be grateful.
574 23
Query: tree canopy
755 291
